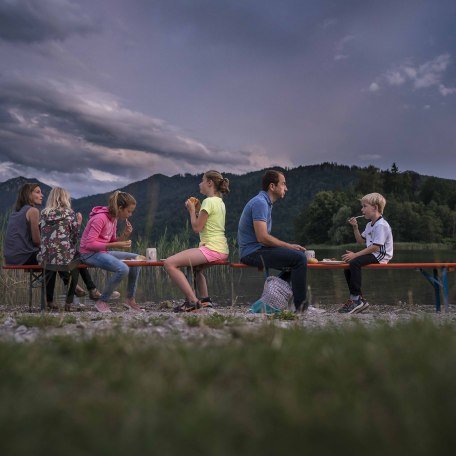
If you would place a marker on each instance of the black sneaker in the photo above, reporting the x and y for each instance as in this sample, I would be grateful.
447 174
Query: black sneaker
351 307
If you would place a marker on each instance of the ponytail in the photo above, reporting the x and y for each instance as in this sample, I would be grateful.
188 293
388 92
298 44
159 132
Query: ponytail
119 200
222 184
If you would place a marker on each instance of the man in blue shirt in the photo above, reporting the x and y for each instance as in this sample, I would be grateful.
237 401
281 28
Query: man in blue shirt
259 248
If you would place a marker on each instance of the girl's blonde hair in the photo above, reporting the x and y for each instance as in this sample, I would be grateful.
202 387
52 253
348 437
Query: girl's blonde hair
222 184
119 200
375 199
58 198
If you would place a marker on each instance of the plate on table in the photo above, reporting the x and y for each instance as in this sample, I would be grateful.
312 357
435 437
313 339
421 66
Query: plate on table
137 258
332 261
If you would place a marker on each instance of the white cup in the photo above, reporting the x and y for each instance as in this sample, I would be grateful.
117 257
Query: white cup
310 253
151 254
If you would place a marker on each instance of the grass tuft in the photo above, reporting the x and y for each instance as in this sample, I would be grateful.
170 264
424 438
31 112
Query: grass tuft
286 315
192 320
45 320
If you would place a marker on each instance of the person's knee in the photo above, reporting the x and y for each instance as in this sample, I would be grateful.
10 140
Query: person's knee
123 269
355 263
300 259
168 265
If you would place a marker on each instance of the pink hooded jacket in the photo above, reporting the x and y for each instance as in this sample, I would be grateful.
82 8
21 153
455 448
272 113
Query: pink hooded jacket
99 231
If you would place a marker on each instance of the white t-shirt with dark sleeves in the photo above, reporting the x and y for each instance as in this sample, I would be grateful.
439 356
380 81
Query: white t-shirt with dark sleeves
380 234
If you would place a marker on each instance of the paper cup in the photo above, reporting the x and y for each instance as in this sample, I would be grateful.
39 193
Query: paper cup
151 254
310 253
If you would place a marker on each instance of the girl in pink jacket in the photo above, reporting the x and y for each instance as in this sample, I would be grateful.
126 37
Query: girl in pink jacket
99 235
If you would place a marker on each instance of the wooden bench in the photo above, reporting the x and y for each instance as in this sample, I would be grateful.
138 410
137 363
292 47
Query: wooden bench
438 279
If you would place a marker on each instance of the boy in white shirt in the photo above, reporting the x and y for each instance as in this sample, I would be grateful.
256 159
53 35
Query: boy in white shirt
379 249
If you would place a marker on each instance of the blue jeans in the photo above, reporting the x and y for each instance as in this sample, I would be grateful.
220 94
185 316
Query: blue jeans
111 261
292 263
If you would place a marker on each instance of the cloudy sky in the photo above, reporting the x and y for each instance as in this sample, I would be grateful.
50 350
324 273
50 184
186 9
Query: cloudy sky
99 93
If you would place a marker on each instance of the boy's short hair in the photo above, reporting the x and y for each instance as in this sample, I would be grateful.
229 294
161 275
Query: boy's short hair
375 199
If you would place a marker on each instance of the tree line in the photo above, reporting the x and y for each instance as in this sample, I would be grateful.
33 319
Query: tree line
418 208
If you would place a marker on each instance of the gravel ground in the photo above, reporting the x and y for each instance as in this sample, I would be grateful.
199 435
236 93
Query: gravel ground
221 323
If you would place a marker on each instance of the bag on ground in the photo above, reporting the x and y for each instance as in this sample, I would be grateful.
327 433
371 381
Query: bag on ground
275 297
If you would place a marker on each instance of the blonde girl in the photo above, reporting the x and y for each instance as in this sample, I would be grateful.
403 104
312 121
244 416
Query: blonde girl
99 235
213 247
59 228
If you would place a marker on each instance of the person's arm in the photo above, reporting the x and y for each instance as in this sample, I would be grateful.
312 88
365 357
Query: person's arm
127 232
349 255
33 216
263 237
197 222
359 239
93 241
119 244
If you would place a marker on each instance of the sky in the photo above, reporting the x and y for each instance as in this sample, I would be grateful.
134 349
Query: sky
97 94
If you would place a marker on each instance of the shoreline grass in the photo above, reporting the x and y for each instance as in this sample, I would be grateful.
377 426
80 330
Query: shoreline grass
377 391
398 246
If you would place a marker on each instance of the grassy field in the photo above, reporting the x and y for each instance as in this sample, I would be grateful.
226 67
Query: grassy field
387 390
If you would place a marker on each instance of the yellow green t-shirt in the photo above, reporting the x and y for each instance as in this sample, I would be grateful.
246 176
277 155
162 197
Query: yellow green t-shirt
213 234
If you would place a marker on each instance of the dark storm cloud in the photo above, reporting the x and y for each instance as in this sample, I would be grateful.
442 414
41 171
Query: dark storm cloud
29 21
60 127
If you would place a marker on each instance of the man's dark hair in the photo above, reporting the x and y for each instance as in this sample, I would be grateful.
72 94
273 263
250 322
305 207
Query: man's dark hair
23 197
271 176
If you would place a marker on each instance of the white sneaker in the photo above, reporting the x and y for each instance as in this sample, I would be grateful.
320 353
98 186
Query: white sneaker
115 295
315 310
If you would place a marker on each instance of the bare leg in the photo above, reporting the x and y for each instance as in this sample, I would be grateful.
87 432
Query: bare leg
190 257
201 283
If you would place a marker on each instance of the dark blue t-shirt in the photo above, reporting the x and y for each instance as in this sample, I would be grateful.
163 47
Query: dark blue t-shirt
258 208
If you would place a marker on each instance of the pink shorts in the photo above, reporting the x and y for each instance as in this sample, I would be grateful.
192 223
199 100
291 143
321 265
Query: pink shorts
212 255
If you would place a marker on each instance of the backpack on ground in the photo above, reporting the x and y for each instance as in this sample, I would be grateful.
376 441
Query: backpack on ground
276 295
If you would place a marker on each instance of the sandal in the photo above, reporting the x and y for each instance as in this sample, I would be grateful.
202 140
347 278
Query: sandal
206 302
79 291
94 294
188 306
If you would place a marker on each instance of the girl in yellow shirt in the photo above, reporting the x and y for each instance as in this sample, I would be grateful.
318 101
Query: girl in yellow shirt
209 222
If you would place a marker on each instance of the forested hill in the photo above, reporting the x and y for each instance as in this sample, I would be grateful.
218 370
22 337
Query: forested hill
161 198
319 199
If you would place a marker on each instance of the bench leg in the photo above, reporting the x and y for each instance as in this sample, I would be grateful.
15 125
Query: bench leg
445 289
436 283
37 280
232 286
31 291
437 289
43 292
